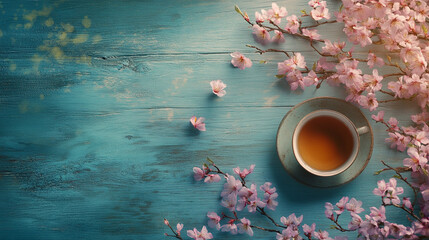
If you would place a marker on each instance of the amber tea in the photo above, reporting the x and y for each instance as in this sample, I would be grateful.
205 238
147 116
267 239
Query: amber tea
325 143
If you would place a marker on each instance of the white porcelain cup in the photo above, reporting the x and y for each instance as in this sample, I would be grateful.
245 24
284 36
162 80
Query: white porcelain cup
355 132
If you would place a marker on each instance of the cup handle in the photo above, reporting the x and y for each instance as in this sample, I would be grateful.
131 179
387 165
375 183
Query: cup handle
362 130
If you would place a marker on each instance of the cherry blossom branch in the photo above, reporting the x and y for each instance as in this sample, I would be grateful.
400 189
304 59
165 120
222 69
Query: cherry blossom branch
260 51
393 74
339 227
318 24
265 229
398 172
410 212
262 212
176 234
388 93
276 27
392 100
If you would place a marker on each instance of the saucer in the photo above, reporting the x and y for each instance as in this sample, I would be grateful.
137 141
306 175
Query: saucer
287 127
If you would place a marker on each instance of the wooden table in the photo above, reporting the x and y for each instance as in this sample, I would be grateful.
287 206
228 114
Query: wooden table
95 101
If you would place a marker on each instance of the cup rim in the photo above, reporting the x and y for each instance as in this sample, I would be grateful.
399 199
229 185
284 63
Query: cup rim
349 124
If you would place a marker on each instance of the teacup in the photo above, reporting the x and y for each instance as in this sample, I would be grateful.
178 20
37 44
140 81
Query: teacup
326 142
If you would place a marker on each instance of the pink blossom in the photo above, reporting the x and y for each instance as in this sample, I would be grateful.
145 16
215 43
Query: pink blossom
229 201
316 3
396 230
214 220
293 24
295 80
407 203
240 61
229 227
379 117
391 193
276 13
416 159
298 60
378 214
198 123
309 231
381 189
373 81
311 79
398 140
291 220
203 235
245 171
333 48
341 205
354 206
244 226
179 228
288 233
322 235
322 64
248 192
421 137
423 97
368 101
166 222
284 67
210 178
360 35
231 186
312 34
356 221
269 200
260 17
218 87
267 188
422 226
425 194
278 37
261 35
413 56
399 88
320 12
420 118
393 122
329 210
198 174
374 60
254 203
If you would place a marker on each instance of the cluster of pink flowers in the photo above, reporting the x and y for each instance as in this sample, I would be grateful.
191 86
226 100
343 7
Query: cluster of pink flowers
401 26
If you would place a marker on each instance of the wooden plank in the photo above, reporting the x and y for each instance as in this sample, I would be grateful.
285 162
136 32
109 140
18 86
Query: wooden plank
95 101
136 27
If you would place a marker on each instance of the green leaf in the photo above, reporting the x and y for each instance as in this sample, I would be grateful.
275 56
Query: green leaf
280 76
425 171
378 172
397 176
425 30
304 12
263 62
237 9
209 160
389 59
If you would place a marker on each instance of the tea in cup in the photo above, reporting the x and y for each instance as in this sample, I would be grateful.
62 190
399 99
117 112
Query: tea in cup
326 142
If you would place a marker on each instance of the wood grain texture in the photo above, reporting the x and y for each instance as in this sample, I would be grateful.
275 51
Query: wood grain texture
95 101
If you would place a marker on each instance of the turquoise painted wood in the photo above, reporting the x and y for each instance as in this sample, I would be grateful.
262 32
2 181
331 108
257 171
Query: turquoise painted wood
95 101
